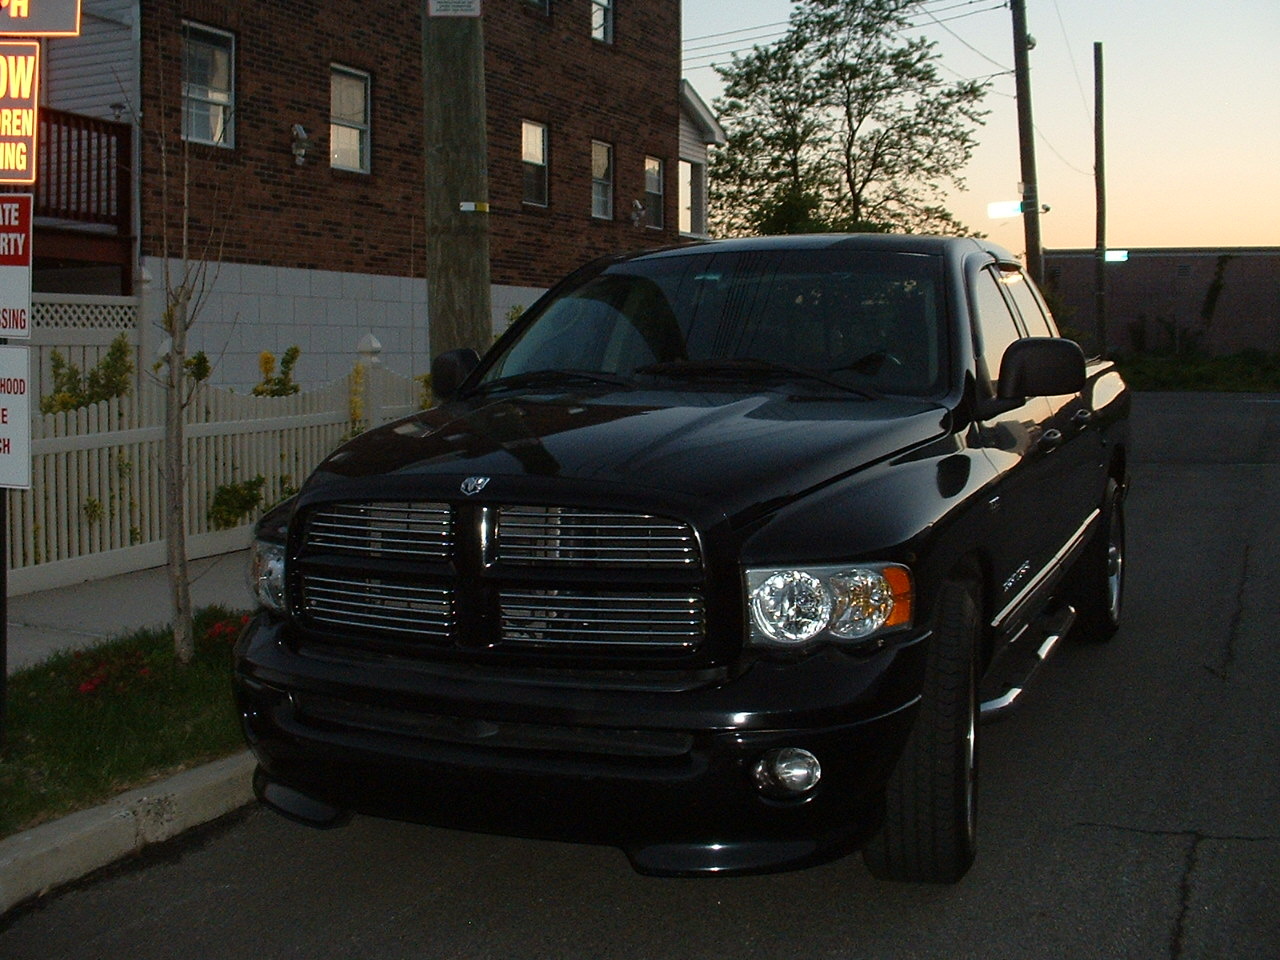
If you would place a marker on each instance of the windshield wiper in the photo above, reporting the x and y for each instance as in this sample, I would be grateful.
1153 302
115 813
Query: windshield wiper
536 378
748 367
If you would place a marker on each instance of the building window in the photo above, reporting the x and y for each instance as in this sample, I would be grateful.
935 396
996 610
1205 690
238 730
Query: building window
208 85
653 192
693 198
348 119
542 6
534 153
601 180
602 20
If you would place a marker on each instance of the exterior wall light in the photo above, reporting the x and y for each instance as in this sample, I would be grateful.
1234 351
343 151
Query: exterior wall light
301 144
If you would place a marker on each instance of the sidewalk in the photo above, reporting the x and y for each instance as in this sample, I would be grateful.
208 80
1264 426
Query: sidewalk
68 618
48 621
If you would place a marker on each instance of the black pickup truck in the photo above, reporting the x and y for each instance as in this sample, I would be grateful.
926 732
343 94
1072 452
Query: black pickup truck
719 555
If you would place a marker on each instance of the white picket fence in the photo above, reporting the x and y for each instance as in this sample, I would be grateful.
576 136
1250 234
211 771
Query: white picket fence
95 507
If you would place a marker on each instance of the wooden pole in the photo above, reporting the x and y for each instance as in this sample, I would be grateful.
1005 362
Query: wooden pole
457 183
1100 185
1027 142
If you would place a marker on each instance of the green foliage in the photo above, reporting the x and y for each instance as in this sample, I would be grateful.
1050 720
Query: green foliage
197 366
1248 372
110 377
842 124
277 384
232 502
86 725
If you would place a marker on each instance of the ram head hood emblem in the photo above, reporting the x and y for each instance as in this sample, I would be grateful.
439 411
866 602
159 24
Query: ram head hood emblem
473 485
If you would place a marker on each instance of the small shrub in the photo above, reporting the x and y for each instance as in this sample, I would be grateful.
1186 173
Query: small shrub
277 384
232 502
110 377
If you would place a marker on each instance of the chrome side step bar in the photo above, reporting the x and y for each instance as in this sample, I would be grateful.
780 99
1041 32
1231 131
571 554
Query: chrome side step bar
1018 663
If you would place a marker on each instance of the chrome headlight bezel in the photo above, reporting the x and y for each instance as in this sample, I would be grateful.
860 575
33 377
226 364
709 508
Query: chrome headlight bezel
797 607
266 574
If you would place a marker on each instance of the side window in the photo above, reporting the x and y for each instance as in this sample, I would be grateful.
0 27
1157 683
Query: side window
208 85
601 180
996 328
1034 313
533 139
653 192
348 119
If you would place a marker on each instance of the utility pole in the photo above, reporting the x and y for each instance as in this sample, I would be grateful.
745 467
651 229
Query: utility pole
1027 142
1100 186
457 176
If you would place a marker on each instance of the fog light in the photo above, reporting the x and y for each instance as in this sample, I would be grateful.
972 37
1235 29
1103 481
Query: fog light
787 772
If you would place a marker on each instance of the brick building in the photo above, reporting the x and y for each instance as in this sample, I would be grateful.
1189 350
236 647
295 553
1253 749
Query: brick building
299 125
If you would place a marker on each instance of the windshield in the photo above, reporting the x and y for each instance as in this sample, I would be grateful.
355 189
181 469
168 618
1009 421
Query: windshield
873 320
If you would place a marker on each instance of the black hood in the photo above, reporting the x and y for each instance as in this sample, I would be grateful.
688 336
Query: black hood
730 450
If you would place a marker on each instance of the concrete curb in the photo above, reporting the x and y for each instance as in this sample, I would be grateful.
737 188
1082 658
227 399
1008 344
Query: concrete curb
56 853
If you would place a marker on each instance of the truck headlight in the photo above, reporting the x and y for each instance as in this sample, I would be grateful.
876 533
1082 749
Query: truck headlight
266 574
790 608
266 557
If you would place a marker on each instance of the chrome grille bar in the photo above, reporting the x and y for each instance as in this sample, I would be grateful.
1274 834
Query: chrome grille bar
422 531
569 618
562 535
371 604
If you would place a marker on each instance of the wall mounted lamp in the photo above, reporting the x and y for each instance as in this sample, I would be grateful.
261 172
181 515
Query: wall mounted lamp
301 144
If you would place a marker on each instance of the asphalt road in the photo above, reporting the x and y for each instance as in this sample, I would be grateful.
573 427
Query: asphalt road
1129 809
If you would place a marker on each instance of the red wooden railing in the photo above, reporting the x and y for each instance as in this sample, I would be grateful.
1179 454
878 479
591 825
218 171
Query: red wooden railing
84 170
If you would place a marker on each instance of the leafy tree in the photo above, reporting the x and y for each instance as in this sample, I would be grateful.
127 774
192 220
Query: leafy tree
842 124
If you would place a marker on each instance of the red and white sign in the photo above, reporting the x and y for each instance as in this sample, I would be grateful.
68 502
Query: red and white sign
19 89
15 418
15 265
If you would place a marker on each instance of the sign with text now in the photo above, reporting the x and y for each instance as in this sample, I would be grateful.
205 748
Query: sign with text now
40 18
19 90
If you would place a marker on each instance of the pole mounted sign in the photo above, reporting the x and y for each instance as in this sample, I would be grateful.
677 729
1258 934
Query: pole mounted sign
15 265
19 88
40 18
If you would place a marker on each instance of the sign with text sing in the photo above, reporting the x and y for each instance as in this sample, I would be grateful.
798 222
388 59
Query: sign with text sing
15 265
40 18
15 418
19 89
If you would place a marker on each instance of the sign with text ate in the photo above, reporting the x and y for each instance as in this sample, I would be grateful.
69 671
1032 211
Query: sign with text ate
15 418
15 265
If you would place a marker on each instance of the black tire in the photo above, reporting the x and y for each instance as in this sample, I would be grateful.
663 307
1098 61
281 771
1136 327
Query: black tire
1097 582
929 830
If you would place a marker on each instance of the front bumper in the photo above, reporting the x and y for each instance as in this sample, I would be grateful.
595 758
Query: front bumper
663 774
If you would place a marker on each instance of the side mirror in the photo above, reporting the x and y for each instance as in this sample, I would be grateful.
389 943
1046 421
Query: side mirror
449 370
1041 367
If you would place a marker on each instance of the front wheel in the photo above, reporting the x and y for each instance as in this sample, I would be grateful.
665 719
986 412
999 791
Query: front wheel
930 824
1097 582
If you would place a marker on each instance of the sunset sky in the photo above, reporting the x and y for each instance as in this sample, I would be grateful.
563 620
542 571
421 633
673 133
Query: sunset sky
1192 111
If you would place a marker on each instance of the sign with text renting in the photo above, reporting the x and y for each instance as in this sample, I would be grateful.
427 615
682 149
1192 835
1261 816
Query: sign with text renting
15 418
40 18
19 89
15 265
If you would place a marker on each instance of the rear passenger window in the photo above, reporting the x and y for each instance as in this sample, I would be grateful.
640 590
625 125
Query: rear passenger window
1029 305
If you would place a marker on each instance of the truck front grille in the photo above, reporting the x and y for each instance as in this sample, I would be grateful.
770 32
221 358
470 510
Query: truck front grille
547 583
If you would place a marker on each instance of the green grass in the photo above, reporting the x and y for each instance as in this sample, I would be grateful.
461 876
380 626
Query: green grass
1248 372
87 725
